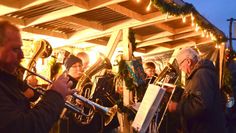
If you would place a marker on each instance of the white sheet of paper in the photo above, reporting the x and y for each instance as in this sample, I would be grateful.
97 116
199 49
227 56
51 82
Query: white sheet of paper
148 107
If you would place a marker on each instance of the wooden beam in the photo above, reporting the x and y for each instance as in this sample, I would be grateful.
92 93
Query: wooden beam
157 35
45 32
125 11
54 15
167 39
180 45
19 22
9 6
163 20
83 22
158 50
204 39
78 3
185 29
86 34
112 43
142 50
165 27
151 15
154 41
98 41
186 35
138 38
69 11
102 3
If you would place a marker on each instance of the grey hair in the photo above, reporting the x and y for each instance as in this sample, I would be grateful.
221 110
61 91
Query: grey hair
187 53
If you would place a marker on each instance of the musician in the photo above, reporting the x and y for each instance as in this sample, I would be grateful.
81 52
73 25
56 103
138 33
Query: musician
16 115
85 59
200 106
150 71
75 69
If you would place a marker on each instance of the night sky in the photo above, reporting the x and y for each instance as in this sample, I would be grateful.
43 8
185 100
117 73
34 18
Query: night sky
217 12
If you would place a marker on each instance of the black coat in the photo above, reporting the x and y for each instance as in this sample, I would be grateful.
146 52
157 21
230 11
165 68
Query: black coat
16 116
200 107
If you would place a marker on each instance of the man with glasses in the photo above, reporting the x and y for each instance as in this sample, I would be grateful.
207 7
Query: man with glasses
200 107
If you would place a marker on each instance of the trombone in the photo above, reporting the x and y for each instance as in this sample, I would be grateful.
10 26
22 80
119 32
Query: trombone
108 112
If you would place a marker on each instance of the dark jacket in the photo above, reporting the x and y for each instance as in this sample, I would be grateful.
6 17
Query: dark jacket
200 107
16 116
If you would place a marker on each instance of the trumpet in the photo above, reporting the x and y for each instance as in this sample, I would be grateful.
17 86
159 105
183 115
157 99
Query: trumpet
108 112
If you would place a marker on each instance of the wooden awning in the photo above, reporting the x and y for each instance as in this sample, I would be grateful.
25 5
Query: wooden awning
94 21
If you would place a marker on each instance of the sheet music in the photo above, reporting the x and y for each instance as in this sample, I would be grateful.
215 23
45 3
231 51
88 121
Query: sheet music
148 107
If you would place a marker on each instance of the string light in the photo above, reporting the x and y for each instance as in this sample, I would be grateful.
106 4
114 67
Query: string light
195 24
192 24
192 17
217 46
149 6
167 14
207 35
203 34
183 18
197 28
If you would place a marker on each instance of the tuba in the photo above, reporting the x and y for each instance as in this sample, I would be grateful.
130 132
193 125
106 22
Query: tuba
42 49
98 66
84 88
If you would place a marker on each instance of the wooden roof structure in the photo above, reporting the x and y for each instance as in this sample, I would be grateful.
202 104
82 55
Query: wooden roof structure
94 21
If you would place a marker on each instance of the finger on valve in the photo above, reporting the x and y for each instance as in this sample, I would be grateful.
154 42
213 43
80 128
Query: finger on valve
62 85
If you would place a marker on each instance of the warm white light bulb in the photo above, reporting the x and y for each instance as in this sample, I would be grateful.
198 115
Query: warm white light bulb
183 19
192 17
149 6
167 14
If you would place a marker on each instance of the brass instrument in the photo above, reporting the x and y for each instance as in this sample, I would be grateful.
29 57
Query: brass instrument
42 49
107 112
101 63
81 87
167 78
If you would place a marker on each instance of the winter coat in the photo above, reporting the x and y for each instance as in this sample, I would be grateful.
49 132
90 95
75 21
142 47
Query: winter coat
16 115
200 106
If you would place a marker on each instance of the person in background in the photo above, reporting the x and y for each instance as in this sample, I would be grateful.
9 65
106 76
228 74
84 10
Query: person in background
150 70
69 124
200 106
74 67
85 59
16 114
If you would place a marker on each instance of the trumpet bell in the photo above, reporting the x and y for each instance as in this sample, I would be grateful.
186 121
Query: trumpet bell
110 114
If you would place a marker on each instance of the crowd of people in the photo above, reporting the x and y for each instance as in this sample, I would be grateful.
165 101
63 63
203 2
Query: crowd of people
199 109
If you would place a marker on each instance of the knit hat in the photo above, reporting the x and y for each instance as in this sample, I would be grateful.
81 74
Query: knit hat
71 60
186 53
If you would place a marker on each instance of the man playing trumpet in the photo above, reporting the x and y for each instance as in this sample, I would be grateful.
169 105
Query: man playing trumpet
16 114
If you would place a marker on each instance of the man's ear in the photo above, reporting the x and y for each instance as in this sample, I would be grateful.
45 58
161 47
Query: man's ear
189 62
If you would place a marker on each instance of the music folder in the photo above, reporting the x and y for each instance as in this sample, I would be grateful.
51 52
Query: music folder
148 107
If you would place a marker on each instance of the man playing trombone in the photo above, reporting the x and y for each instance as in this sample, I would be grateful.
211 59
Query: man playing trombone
16 115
